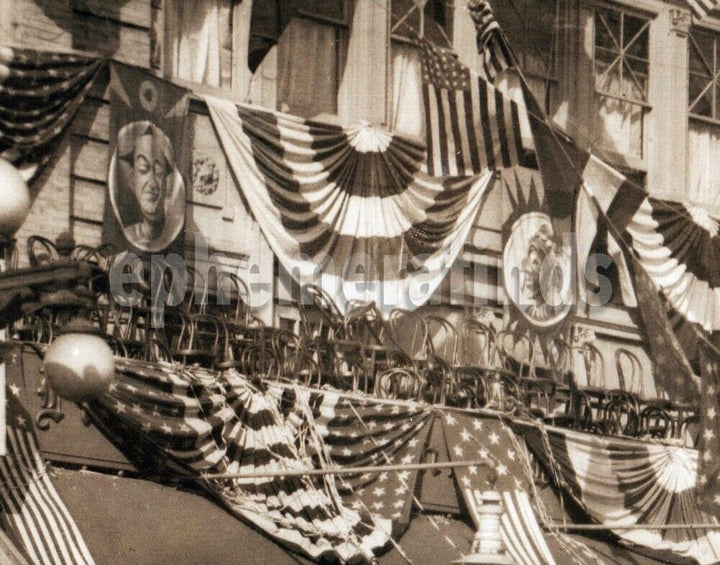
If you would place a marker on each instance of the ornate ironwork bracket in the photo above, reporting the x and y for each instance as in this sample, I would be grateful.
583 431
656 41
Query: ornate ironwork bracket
51 407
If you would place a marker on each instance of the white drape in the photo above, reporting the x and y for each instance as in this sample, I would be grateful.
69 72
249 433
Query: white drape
195 29
620 127
704 150
407 109
308 68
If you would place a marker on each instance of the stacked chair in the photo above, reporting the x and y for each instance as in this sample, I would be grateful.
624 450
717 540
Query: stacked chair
325 334
209 323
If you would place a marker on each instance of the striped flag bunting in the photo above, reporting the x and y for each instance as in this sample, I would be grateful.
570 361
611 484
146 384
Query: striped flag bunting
492 46
173 420
193 422
38 99
474 436
676 245
470 125
672 250
33 514
709 440
700 8
622 482
361 432
352 210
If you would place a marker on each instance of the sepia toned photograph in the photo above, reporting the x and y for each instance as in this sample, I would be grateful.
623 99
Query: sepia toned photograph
378 282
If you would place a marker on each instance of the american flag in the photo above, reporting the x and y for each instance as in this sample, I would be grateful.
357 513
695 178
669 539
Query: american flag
708 481
365 432
33 513
477 436
38 98
700 8
470 125
491 44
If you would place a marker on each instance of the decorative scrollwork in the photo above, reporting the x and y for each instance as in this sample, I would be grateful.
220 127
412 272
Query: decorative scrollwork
51 407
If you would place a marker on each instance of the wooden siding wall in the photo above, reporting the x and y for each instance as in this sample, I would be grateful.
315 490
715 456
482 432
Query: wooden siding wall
70 196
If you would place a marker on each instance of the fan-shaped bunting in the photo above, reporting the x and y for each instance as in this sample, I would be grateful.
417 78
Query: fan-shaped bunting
623 482
351 209
193 421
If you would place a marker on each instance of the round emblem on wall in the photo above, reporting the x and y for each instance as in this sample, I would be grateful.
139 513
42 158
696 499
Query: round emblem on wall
537 271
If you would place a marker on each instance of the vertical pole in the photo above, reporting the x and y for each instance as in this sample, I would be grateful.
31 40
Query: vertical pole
6 246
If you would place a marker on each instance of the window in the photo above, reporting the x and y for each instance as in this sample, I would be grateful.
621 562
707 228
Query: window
530 26
704 117
621 70
199 41
406 22
311 58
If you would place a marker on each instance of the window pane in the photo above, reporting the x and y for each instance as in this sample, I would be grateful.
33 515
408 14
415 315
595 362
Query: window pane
530 27
701 106
636 79
701 52
634 39
607 74
607 30
438 20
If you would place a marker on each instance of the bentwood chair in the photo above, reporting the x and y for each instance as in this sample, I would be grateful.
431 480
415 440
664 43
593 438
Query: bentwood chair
441 372
565 401
654 416
339 357
518 354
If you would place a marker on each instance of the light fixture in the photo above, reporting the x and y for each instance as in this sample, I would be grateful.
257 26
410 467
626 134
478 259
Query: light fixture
79 364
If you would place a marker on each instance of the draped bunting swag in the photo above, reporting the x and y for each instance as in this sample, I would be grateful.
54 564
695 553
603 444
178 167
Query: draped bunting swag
38 99
624 482
354 208
197 421
194 421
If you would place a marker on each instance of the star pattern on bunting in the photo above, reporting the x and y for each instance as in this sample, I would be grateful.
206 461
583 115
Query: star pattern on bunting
364 433
709 443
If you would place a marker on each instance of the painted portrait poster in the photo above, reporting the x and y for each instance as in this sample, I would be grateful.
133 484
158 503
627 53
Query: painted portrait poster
149 157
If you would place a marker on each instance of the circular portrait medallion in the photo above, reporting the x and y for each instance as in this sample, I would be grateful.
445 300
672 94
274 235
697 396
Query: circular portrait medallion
147 191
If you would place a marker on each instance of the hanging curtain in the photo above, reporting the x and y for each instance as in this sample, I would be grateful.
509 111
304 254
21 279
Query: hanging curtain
703 149
197 29
407 113
308 68
352 210
621 126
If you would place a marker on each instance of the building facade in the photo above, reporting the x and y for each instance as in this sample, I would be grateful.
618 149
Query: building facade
636 82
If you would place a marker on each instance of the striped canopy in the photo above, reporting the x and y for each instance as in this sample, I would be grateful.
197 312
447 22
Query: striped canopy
350 209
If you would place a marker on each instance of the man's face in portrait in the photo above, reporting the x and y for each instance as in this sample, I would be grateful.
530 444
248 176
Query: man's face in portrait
150 169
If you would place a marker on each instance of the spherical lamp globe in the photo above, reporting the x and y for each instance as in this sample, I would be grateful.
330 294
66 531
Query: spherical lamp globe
79 366
15 201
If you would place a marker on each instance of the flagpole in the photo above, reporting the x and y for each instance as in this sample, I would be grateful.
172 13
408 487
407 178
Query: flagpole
351 470
603 527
